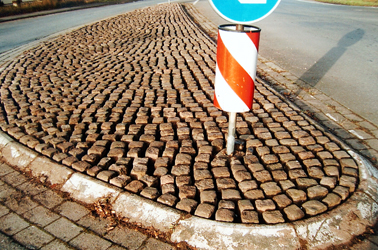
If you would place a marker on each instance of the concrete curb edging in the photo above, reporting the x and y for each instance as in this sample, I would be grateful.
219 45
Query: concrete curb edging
336 227
146 212
205 234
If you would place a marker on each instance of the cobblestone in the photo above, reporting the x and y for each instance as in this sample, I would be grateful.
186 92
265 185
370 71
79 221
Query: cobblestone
92 98
293 213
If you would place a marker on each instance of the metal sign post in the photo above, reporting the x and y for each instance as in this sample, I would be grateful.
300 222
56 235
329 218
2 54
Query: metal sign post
237 57
231 132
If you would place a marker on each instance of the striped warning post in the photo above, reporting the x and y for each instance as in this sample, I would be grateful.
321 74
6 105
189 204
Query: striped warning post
236 67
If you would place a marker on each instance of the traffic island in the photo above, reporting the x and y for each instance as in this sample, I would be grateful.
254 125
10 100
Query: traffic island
124 109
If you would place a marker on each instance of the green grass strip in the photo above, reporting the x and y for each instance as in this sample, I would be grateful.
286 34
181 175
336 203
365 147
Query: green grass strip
369 3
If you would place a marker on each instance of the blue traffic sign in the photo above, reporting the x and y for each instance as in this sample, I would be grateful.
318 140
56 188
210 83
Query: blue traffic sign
244 11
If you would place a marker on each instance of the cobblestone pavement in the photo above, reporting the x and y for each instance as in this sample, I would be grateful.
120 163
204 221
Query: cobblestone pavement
129 101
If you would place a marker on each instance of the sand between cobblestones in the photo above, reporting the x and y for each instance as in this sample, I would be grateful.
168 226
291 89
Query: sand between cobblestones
128 100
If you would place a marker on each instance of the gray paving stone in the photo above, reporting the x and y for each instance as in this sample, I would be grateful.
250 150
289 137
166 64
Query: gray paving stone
33 237
364 245
372 143
20 204
14 178
57 245
48 199
41 216
72 210
96 224
3 210
373 239
7 243
5 169
30 188
126 237
115 247
155 244
11 224
64 229
7 191
90 241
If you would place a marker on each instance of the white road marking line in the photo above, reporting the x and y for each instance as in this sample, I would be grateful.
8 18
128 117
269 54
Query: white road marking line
314 2
330 116
356 134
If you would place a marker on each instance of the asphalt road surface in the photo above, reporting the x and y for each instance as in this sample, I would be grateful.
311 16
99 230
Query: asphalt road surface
332 47
20 32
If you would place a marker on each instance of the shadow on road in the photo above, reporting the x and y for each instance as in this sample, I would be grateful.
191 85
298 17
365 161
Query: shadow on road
314 74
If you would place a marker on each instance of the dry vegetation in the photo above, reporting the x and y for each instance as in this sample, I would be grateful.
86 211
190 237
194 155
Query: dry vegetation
370 3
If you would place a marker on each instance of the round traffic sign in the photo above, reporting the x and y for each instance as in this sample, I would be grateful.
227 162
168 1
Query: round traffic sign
244 11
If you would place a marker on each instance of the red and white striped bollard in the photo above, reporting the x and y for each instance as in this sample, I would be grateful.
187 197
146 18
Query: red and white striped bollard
235 72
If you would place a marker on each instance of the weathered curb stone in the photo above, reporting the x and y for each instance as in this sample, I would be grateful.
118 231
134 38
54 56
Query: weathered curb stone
206 234
368 176
52 171
4 140
146 212
18 155
88 190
